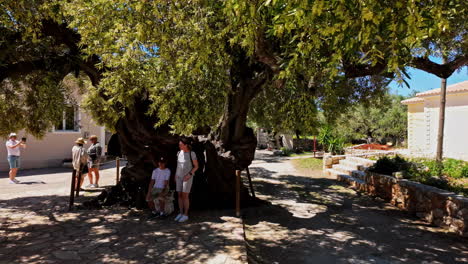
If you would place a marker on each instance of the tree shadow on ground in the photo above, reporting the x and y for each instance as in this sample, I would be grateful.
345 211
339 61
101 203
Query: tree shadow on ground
319 220
39 230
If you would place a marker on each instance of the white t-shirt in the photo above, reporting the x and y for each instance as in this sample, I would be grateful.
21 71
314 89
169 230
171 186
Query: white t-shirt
184 164
13 151
160 176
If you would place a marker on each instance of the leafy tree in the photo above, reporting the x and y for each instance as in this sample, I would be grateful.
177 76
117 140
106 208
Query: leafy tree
394 122
381 118
160 67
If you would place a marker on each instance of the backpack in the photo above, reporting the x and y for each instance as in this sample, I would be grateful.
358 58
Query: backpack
191 160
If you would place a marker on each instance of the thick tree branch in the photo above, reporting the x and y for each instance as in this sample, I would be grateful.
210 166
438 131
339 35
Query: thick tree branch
58 60
58 64
361 70
440 70
264 54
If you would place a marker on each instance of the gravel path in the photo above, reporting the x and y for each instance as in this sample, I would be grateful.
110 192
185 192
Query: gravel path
307 218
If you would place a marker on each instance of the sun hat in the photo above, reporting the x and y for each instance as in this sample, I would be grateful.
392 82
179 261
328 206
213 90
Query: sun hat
92 137
80 141
12 135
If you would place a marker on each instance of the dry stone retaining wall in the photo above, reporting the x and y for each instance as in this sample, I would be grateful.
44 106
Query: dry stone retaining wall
305 144
438 207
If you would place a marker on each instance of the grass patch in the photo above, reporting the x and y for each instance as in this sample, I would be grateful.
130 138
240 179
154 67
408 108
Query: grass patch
308 163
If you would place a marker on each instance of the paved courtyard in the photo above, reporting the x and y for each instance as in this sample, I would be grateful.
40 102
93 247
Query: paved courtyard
35 227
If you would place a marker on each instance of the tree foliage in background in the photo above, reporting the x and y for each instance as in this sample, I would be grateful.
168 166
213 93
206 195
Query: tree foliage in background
381 118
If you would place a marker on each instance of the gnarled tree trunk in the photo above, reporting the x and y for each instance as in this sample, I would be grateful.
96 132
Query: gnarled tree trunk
220 153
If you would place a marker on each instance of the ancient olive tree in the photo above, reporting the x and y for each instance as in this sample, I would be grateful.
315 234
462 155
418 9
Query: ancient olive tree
159 69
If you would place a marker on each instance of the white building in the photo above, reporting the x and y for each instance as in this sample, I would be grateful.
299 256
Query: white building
423 122
56 145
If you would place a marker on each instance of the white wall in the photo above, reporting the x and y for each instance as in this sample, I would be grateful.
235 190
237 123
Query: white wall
53 148
423 123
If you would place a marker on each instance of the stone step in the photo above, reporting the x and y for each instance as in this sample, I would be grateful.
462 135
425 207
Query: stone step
361 161
344 169
333 173
349 163
353 164
350 180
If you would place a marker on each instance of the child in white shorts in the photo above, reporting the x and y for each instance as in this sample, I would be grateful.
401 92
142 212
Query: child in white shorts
158 188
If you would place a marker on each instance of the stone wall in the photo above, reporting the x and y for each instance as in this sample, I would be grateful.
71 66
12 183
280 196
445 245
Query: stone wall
438 207
305 144
329 161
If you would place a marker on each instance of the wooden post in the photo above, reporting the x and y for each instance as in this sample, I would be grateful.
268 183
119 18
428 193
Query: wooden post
250 182
72 191
79 181
117 173
315 146
238 182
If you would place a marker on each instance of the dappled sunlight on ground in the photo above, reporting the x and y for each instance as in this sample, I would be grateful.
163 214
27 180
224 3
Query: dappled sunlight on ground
308 218
35 227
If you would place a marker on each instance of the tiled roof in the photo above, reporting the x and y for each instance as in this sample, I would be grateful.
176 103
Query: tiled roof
412 100
454 88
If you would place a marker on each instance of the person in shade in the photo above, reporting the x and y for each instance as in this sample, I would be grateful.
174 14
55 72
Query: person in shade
14 152
187 165
79 160
158 188
94 158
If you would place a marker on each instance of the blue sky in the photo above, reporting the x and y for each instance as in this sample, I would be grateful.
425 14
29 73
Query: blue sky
423 81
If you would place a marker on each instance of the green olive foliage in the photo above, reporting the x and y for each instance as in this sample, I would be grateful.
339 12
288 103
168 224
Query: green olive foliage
180 55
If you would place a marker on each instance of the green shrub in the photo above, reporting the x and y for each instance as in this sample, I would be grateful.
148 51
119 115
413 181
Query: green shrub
449 167
286 152
425 170
455 168
388 166
464 172
331 141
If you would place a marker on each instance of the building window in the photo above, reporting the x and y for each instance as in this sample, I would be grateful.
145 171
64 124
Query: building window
69 121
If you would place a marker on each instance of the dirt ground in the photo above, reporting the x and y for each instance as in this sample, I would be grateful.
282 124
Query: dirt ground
308 218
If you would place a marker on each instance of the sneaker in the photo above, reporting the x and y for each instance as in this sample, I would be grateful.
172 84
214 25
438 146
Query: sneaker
14 182
154 214
178 217
89 186
96 185
183 219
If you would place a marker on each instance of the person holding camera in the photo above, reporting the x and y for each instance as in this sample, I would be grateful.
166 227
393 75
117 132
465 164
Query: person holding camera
94 157
14 152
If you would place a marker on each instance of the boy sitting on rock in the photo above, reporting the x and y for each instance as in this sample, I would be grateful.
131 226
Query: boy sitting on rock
158 188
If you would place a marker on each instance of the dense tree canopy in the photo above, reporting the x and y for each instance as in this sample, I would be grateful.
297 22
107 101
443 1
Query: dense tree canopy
184 57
